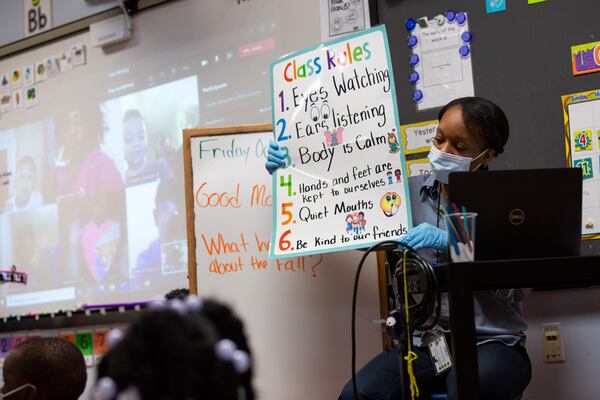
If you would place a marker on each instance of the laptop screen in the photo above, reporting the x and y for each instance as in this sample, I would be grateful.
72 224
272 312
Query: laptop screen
533 213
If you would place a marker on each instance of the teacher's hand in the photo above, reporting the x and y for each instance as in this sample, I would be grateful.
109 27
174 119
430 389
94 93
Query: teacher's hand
275 158
426 236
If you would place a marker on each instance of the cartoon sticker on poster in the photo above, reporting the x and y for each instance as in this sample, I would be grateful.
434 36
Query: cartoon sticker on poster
335 114
582 142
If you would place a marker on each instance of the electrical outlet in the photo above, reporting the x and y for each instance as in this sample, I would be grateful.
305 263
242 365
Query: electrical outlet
554 349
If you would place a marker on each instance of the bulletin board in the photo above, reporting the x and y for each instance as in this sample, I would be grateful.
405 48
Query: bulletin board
582 144
295 308
521 60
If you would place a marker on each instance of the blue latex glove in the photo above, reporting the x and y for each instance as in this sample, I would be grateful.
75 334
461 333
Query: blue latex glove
275 158
426 236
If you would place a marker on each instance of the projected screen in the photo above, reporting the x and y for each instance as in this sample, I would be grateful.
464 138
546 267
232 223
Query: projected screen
91 194
94 201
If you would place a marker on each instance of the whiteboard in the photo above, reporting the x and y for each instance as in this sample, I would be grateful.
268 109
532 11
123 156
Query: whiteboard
297 310
189 64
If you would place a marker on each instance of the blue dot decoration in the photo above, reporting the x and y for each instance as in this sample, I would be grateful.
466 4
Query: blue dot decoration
413 59
461 18
450 15
413 77
466 37
464 51
417 96
412 41
410 24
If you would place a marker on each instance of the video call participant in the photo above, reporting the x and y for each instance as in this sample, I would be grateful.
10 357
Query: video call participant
25 197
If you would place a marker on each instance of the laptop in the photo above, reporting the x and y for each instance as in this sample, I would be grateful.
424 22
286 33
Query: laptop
532 213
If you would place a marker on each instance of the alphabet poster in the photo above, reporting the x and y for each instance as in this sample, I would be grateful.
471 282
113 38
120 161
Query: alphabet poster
335 117
582 127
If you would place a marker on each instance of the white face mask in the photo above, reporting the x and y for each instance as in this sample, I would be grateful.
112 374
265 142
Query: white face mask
9 394
444 163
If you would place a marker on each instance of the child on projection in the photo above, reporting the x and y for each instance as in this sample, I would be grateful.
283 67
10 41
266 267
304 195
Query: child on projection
25 196
135 141
82 167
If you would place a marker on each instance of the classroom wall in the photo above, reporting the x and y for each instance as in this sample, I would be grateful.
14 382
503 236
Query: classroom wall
578 312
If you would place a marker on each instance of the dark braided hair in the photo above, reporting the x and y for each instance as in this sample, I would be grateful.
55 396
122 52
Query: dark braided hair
170 355
228 326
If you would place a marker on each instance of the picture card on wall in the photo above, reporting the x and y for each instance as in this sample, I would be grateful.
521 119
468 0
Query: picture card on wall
5 102
78 54
40 71
65 62
4 82
28 75
51 67
31 96
17 98
585 58
15 78
494 6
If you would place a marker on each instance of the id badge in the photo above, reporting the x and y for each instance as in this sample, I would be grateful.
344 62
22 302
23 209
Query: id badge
439 352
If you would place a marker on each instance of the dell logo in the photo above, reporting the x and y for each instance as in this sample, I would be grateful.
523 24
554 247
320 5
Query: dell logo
516 216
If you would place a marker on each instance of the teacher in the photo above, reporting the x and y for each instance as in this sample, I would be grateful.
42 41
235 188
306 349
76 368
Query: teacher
472 131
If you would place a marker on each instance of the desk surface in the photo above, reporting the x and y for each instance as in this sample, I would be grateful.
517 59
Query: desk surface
562 272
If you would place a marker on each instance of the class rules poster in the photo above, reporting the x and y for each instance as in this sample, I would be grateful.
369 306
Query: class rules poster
335 116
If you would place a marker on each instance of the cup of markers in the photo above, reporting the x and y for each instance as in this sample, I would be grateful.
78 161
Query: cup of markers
461 235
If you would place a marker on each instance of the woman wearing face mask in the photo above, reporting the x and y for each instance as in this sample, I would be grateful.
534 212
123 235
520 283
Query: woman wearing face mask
472 131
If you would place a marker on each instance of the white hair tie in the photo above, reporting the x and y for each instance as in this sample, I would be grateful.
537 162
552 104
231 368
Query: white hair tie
105 389
114 336
226 350
131 393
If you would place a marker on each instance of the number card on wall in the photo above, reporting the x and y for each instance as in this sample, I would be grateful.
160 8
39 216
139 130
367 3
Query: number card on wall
582 140
335 116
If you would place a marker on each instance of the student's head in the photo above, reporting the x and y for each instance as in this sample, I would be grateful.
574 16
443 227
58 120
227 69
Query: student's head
173 351
82 132
180 294
46 369
25 180
472 127
135 139
168 213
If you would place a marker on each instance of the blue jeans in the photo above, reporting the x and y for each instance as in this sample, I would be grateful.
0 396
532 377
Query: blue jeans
504 373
